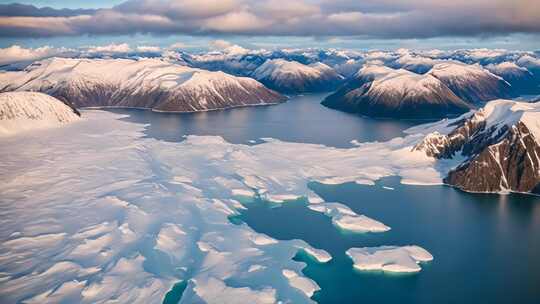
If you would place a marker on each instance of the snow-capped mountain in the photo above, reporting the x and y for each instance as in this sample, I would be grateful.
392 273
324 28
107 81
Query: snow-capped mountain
417 64
145 83
380 91
295 77
531 63
23 111
521 79
471 83
349 68
500 144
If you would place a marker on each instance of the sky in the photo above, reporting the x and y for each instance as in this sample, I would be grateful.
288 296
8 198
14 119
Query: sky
354 24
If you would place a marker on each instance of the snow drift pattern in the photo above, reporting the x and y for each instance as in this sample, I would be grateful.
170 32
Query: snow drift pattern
22 111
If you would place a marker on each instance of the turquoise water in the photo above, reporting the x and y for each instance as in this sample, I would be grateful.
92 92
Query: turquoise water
486 247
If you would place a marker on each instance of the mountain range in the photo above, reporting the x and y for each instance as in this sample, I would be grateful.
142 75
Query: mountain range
380 91
145 83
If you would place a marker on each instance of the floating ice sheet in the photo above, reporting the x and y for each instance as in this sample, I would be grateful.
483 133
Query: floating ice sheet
389 258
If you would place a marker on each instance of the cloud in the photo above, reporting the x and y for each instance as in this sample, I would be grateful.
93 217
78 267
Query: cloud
16 53
109 49
227 47
19 54
235 22
366 18
220 44
148 49
180 8
16 9
178 46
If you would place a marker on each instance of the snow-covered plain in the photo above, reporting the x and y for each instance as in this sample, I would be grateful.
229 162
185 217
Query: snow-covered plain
94 211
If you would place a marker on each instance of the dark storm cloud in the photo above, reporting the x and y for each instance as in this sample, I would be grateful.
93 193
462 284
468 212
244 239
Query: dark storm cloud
16 9
367 18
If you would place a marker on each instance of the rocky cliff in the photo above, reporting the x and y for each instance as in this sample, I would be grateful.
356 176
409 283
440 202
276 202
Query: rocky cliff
499 145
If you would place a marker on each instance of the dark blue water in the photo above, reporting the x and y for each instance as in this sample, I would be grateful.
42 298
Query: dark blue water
302 119
486 247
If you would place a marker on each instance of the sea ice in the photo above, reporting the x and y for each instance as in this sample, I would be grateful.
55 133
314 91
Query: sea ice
346 219
215 291
307 286
318 254
107 202
389 258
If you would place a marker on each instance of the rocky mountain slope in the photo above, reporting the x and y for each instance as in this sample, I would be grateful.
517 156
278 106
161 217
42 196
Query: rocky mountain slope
295 77
144 83
380 91
471 83
499 144
23 111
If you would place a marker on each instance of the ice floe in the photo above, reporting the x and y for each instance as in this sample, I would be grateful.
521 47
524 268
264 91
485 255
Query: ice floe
318 254
307 286
389 258
346 219
215 291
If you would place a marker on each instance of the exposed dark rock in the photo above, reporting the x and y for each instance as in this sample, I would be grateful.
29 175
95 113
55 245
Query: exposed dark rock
511 164
498 157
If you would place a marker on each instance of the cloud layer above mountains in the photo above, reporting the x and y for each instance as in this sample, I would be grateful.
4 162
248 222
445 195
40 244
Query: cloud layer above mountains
363 18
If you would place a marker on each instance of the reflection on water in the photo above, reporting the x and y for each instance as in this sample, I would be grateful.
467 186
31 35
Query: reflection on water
301 119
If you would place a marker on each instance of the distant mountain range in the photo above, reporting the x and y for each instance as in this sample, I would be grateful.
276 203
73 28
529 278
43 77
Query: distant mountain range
472 83
384 92
145 83
294 77
235 76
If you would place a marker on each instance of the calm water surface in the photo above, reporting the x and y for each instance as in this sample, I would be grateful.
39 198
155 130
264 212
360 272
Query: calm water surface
302 119
486 247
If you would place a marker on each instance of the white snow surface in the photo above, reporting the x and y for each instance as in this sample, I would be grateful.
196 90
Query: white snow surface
389 258
106 202
135 76
306 285
25 111
398 82
459 71
281 69
346 219
507 68
322 256
496 113
405 82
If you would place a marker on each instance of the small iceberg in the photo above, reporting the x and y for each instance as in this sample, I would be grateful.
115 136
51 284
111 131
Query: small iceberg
320 255
346 219
307 286
389 258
